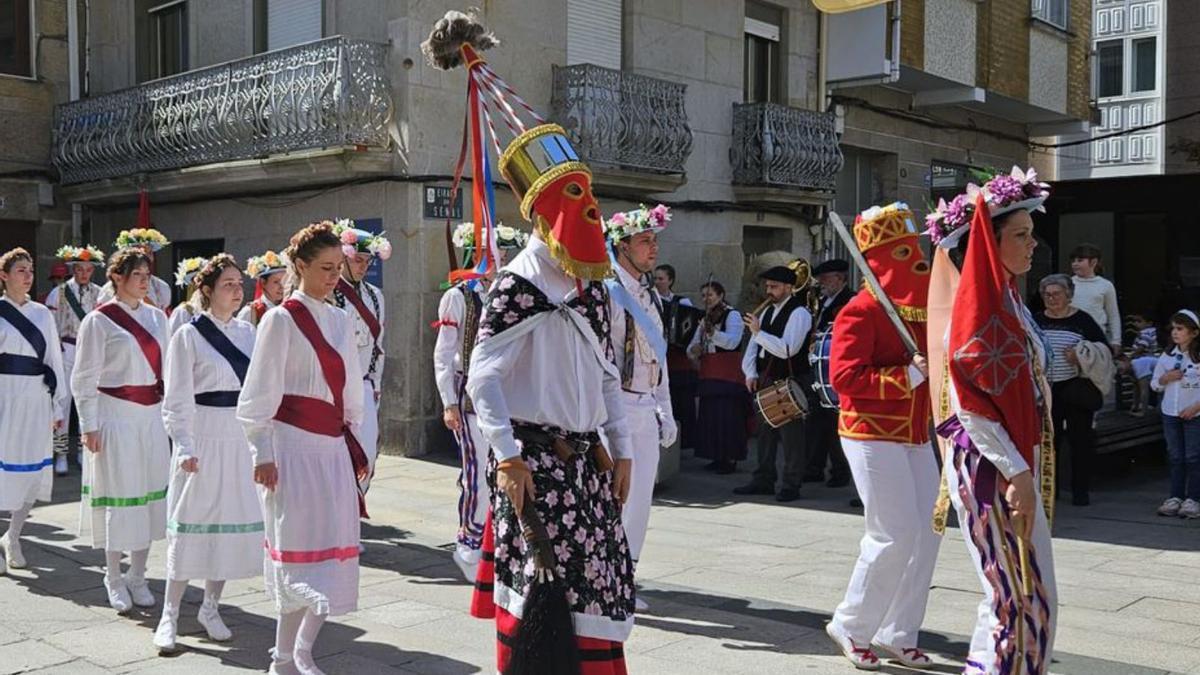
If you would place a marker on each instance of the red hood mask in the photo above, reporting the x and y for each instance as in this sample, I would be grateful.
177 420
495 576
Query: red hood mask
889 242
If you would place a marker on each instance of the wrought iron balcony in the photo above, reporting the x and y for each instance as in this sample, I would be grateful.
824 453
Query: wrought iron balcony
777 146
623 121
329 93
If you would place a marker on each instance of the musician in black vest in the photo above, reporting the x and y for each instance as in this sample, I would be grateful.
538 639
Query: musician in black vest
778 349
821 443
680 370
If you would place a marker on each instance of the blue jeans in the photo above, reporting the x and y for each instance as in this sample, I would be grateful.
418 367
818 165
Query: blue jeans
1183 455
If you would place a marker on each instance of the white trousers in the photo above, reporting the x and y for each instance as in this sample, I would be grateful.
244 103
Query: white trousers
642 417
993 551
885 600
475 495
368 433
68 359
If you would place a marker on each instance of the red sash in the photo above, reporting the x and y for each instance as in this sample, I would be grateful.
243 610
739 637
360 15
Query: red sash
724 366
258 307
315 415
142 394
355 299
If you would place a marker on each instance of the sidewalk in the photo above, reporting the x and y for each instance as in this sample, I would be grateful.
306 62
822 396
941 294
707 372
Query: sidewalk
734 587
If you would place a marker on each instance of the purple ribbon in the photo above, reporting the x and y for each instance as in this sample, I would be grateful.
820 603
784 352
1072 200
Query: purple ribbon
985 474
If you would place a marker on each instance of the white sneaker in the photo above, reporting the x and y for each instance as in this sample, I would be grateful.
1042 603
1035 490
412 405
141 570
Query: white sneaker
118 596
168 629
210 618
305 663
861 658
909 656
61 468
282 667
639 605
139 590
13 553
1170 507
467 560
1190 509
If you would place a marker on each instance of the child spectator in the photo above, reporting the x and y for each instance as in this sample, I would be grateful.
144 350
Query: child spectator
1094 294
1177 377
1140 361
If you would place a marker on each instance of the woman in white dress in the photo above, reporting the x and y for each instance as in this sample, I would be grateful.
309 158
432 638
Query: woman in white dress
117 386
214 522
300 405
32 392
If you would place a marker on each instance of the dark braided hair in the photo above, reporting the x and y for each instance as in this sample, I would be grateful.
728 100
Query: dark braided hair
207 277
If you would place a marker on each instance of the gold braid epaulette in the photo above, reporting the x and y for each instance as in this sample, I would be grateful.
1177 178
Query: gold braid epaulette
1047 450
906 312
941 508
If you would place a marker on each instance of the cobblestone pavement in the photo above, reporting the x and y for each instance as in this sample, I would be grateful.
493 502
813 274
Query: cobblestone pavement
734 586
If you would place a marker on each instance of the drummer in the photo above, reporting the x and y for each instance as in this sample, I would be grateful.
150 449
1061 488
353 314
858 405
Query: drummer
821 442
778 350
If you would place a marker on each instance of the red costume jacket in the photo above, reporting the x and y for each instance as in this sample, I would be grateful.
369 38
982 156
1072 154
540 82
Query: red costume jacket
869 369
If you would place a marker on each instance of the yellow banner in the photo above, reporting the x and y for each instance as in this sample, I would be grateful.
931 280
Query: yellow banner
838 6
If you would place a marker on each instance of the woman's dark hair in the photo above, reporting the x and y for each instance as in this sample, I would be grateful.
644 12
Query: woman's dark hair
958 254
310 241
715 286
1181 319
125 261
670 270
208 275
1086 251
12 258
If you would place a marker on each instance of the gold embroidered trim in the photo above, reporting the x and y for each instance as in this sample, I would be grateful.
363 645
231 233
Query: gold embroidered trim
575 268
906 312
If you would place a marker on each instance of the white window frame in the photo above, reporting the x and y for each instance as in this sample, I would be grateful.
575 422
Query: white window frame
1124 68
33 40
1041 10
154 37
1130 91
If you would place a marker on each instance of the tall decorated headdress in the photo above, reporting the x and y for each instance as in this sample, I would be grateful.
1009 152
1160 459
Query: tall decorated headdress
260 267
76 255
888 239
186 271
624 224
355 240
144 237
1002 193
553 186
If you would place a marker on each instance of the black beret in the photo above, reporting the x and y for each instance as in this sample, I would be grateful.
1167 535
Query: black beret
835 265
783 275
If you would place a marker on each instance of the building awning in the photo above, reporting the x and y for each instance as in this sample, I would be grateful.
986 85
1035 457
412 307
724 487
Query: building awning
838 6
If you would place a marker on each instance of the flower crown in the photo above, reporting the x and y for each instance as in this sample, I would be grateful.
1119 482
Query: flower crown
187 270
355 240
628 223
142 236
1003 193
80 254
267 263
506 237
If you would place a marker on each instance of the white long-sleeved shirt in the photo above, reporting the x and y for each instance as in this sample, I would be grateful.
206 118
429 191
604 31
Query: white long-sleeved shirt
179 316
364 342
728 336
159 296
246 313
1097 296
649 376
797 328
64 316
13 342
1182 394
109 356
549 369
447 349
193 366
284 362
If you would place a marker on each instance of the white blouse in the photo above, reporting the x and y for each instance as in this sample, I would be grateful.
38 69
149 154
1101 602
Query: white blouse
193 367
364 342
730 338
159 296
13 342
245 313
179 316
109 356
284 363
649 376
549 369
447 349
64 316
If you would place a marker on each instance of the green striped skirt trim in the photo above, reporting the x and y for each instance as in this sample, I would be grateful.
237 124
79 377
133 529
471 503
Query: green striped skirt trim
124 501
215 528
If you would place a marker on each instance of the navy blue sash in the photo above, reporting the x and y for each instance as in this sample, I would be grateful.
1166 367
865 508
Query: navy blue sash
15 364
237 360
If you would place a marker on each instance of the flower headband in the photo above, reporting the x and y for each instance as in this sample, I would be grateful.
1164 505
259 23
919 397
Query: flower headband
187 270
1003 194
265 264
506 237
139 236
80 254
626 224
356 241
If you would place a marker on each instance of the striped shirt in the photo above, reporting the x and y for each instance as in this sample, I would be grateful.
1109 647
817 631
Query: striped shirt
1062 335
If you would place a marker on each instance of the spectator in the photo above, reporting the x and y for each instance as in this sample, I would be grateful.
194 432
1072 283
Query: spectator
58 274
681 374
1140 361
822 423
724 401
1074 397
1177 377
1094 294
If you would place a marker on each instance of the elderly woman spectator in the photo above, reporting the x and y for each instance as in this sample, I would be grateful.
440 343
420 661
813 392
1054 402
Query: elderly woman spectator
1075 397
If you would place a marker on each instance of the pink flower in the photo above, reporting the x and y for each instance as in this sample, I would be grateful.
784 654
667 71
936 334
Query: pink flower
349 237
618 219
348 250
384 250
525 300
660 214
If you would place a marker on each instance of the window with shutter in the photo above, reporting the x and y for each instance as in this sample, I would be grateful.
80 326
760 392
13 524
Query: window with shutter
294 22
594 32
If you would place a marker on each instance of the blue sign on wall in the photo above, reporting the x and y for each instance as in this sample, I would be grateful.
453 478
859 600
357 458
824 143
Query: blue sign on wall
374 226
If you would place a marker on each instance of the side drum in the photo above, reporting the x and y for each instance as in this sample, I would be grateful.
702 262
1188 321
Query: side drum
781 402
818 358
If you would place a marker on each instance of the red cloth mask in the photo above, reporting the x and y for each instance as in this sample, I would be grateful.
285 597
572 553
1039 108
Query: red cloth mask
902 271
568 218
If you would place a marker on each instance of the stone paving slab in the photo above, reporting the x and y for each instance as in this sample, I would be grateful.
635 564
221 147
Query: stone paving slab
735 586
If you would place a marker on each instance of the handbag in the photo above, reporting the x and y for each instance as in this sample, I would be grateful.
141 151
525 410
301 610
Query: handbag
1080 393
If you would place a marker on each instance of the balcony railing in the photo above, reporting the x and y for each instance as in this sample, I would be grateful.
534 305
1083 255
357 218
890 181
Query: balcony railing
622 120
329 93
780 146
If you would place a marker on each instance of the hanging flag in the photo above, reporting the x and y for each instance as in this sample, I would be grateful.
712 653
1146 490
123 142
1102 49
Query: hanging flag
839 6
143 217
